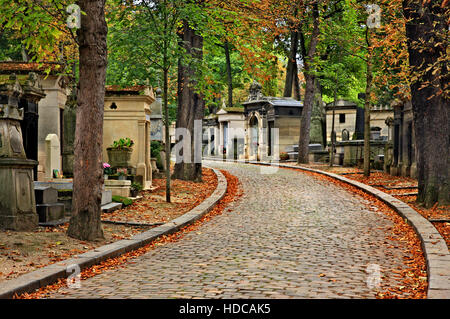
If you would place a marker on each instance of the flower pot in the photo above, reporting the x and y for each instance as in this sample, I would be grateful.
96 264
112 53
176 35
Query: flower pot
134 192
105 177
119 157
122 178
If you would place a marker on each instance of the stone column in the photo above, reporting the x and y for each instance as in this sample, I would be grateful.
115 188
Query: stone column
396 140
141 167
264 139
247 137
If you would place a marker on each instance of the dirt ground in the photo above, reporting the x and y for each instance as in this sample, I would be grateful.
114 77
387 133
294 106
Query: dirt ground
22 252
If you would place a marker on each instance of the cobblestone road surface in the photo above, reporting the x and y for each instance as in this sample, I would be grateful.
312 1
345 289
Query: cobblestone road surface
289 236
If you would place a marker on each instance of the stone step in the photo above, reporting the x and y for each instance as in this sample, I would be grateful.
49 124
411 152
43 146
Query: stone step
108 208
50 212
46 195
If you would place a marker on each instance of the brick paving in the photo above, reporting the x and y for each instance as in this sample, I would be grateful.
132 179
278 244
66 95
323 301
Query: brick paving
289 236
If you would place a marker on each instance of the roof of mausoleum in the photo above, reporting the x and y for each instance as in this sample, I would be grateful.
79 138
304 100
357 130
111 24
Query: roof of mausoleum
341 104
129 90
257 98
275 101
21 67
233 109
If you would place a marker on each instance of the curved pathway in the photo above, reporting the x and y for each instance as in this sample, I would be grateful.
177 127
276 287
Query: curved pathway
289 236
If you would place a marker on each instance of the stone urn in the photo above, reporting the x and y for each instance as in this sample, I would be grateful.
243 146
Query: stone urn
119 157
153 163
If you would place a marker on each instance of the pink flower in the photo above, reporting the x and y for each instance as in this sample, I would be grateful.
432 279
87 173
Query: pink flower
106 165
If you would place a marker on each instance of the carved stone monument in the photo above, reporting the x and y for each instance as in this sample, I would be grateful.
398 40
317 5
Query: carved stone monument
156 122
17 199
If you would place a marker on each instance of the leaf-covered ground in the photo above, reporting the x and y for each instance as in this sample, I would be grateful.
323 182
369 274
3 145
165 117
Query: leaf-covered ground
153 208
22 252
234 191
403 188
414 276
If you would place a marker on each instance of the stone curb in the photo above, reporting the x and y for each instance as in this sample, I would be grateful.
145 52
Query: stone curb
47 275
434 246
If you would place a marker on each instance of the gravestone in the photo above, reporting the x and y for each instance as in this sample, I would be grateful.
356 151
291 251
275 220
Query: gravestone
156 122
53 155
69 122
345 135
359 125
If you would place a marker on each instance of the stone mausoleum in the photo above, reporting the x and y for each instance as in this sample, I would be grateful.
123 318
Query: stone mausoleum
128 114
272 124
261 129
42 126
17 198
400 152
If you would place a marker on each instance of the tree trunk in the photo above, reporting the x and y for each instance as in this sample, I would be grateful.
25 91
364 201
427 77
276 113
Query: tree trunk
305 121
333 132
428 23
166 128
190 107
296 84
367 116
229 75
292 65
85 223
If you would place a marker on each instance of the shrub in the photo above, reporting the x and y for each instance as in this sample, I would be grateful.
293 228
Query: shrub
155 148
122 144
136 186
120 199
284 156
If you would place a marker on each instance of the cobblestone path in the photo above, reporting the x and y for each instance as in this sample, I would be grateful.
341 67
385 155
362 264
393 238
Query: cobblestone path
289 236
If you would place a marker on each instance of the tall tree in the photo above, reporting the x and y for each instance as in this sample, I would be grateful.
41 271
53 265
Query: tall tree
427 38
291 69
150 58
367 97
190 105
85 223
42 27
308 70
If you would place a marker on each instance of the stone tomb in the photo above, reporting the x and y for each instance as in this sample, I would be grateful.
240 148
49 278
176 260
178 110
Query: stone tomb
17 201
43 118
47 206
66 186
127 114
271 124
316 152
